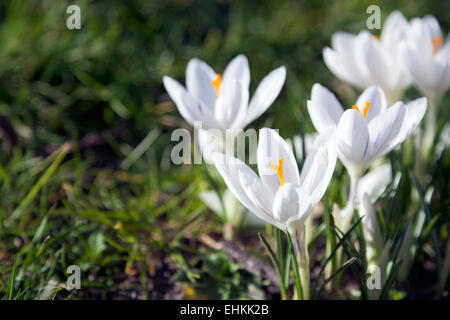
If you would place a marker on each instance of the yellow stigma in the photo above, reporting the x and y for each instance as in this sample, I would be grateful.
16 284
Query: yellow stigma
437 42
279 170
216 82
366 108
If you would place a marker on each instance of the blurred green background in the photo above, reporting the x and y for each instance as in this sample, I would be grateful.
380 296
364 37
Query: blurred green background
115 210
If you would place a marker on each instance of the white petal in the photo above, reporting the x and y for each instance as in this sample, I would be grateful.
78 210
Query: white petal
371 227
237 69
363 42
377 62
441 71
212 201
422 38
342 61
433 26
352 138
324 109
375 181
175 91
231 103
415 111
291 204
240 120
343 41
418 67
271 147
377 99
395 29
319 165
198 81
258 193
233 207
383 130
198 110
229 168
340 64
266 93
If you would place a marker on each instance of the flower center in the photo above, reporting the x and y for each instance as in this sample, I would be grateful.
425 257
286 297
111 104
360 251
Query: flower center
376 37
279 170
366 108
437 42
216 82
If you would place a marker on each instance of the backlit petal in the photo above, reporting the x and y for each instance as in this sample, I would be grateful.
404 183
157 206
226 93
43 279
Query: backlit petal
198 81
237 69
291 204
271 148
324 109
266 93
352 138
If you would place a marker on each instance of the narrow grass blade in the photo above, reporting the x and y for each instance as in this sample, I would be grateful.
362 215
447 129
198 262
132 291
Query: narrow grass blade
275 263
12 277
390 281
140 149
344 266
428 217
339 244
62 152
297 279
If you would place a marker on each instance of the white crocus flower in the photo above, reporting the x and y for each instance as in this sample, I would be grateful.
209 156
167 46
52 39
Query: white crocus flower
364 132
427 57
428 60
363 60
280 195
369 129
215 101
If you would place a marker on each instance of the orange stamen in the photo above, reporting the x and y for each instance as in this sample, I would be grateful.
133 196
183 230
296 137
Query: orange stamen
216 82
356 108
376 36
279 170
437 42
366 109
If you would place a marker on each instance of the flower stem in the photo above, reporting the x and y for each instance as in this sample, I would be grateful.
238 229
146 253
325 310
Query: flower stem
424 142
430 128
347 213
354 181
229 231
301 252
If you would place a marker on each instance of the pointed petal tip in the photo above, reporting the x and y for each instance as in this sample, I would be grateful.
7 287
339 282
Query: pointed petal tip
279 71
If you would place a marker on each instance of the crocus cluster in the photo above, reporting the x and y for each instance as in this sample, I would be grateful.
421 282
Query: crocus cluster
281 195
406 52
